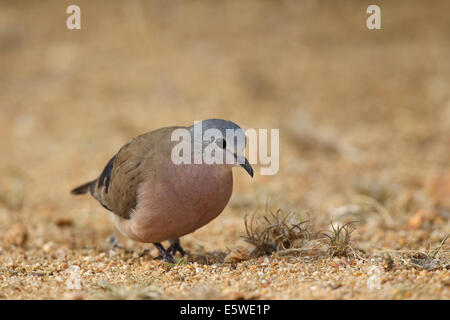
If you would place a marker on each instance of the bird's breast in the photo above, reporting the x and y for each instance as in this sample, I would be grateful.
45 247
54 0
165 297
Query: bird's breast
177 200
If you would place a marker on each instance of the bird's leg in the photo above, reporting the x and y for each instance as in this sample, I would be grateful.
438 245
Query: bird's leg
166 256
175 247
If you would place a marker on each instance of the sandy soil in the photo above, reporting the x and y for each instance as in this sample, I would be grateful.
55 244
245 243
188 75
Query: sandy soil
364 119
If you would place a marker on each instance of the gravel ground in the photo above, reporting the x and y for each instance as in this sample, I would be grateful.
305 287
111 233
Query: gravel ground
364 119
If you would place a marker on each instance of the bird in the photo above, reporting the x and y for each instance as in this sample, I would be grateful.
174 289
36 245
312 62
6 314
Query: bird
153 198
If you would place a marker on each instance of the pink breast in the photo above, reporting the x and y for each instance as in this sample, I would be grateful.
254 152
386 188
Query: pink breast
179 201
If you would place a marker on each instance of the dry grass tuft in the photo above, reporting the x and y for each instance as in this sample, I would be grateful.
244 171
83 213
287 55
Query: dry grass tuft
285 234
433 253
339 240
428 260
277 232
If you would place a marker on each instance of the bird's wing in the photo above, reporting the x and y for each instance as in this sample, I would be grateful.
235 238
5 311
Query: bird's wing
116 188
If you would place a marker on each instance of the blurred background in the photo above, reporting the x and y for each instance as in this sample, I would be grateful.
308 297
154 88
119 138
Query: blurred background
360 112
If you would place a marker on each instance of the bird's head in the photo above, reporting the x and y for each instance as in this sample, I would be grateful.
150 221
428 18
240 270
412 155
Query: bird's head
221 140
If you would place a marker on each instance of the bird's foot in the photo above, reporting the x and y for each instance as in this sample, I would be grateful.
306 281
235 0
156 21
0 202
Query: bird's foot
175 247
165 254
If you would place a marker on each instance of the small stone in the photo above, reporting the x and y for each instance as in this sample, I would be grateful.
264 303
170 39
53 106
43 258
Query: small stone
235 296
73 281
64 222
59 254
198 270
16 235
154 253
421 216
48 246
236 255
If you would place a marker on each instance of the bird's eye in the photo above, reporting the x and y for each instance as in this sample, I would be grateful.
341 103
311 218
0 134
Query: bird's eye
221 143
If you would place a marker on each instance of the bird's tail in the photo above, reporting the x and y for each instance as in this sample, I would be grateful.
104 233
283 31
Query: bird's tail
84 188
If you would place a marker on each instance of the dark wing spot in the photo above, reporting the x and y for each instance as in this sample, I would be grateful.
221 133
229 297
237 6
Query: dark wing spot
106 175
104 206
138 164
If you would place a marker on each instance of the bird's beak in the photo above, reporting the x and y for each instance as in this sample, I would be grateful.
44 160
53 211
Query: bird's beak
243 162
246 165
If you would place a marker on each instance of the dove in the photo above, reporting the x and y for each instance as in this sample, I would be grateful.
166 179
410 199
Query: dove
169 182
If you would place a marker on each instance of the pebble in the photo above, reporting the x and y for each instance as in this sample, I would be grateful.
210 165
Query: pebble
16 235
